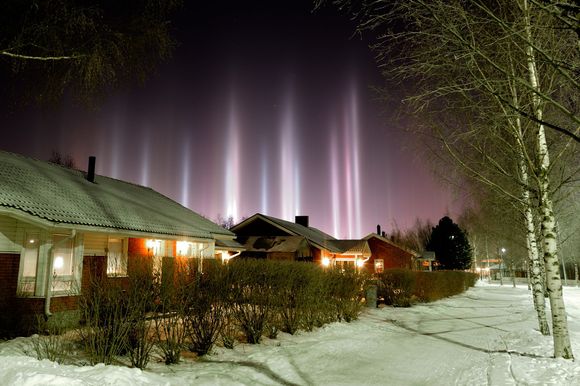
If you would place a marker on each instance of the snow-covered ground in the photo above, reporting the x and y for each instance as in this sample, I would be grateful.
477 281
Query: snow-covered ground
487 336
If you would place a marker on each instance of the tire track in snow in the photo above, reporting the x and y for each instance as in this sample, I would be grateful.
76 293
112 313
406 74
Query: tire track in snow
435 335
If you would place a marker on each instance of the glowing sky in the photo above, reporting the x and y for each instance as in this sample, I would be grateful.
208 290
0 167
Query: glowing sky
263 108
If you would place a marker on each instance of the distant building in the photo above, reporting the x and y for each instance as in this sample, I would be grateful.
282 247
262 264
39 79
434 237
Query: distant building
386 254
426 262
273 238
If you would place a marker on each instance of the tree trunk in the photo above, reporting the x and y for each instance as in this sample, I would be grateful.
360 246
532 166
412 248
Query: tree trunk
536 269
562 347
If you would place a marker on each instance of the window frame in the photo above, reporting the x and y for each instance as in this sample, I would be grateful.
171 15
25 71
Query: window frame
122 263
70 284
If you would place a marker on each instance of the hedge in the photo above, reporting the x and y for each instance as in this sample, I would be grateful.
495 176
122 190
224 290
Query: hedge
402 287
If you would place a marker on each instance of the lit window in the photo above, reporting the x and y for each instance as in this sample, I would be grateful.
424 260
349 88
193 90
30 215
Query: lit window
155 247
379 265
62 264
186 249
29 264
116 257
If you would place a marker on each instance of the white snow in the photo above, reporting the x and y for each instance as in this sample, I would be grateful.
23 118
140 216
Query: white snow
486 336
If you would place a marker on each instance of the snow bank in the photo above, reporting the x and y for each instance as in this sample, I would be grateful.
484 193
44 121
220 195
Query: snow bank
486 336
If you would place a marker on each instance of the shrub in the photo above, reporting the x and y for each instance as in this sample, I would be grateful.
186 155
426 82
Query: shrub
172 290
399 287
141 299
346 291
229 331
50 344
205 315
251 296
106 315
292 282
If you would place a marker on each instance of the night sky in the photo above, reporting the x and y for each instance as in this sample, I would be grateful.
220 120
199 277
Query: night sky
265 107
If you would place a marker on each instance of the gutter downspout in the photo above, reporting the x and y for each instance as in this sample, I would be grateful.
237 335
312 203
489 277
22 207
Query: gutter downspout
49 273
201 257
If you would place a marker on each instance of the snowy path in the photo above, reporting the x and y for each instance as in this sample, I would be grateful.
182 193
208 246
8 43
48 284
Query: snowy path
486 336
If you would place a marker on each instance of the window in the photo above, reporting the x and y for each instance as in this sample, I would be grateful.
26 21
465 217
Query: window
29 264
186 249
159 249
116 257
62 264
379 265
50 262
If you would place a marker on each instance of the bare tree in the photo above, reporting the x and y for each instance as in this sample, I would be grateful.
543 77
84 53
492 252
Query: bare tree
84 47
485 80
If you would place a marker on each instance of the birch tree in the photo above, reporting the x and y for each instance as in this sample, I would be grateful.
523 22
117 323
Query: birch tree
84 47
464 64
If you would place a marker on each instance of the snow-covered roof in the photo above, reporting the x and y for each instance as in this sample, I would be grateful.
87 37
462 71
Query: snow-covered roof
62 196
228 245
353 247
313 235
274 243
394 244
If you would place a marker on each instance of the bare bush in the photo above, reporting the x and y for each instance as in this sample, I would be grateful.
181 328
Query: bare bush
205 315
50 343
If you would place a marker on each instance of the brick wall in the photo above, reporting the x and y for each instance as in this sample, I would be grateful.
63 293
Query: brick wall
393 257
9 264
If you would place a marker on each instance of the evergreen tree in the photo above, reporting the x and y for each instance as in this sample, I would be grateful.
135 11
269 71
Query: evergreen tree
451 246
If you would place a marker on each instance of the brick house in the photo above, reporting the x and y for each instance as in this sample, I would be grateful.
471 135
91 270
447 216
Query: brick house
60 226
386 254
273 238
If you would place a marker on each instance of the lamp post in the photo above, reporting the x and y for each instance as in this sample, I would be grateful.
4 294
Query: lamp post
502 252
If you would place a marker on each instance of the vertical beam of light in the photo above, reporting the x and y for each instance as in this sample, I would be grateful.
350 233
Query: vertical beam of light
348 178
335 185
287 164
146 146
185 172
264 182
232 163
297 203
116 146
354 126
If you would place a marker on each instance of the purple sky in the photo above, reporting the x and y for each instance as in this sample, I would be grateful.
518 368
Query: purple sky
263 108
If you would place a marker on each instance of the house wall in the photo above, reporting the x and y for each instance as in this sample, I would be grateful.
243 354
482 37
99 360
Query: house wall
281 256
9 264
393 257
18 315
11 235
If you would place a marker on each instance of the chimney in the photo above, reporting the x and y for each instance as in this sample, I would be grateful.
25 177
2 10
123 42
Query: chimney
384 234
379 229
301 220
91 171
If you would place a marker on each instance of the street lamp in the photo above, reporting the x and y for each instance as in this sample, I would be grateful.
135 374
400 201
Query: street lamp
502 250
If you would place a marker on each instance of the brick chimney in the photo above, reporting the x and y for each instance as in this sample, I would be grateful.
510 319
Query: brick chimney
91 170
301 220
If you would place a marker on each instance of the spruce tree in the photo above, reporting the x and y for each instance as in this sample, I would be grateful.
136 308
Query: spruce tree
451 246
